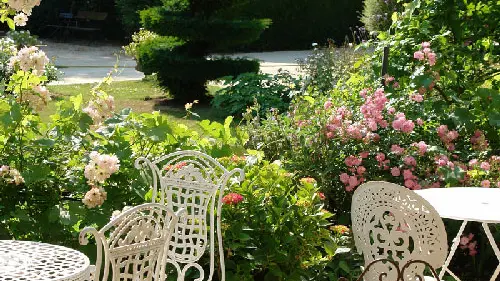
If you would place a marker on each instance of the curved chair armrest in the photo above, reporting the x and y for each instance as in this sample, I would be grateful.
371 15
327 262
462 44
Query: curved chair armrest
82 238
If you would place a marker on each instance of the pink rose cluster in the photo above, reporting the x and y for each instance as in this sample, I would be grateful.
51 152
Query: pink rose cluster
232 199
95 197
175 167
100 108
341 123
447 137
11 175
467 243
400 123
490 169
24 6
30 59
372 110
424 53
383 163
478 141
101 167
355 167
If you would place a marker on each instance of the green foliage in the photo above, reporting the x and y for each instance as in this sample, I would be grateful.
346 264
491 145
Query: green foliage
271 92
279 231
377 14
23 38
138 38
327 68
190 32
129 12
298 23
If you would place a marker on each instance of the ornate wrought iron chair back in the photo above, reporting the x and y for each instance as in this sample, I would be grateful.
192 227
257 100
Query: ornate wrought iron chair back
134 248
392 222
400 273
194 181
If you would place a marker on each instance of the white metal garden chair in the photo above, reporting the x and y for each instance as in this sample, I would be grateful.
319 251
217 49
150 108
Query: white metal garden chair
194 181
133 244
392 222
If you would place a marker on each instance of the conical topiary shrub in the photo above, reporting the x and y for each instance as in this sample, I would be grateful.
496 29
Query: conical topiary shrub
190 31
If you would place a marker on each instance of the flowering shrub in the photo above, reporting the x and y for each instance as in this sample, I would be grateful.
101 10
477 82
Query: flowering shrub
274 226
430 122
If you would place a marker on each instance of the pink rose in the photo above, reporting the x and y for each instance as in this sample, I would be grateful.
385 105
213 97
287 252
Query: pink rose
419 55
485 183
417 97
328 104
391 110
408 127
410 184
361 170
395 172
330 135
407 174
420 122
364 154
396 149
344 178
353 181
410 161
473 162
426 44
380 157
432 58
485 166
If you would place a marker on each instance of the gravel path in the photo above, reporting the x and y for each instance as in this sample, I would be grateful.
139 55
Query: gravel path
89 64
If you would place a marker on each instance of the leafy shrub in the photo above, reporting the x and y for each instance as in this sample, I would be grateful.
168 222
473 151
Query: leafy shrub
190 31
326 68
430 122
279 231
129 12
269 91
23 38
138 38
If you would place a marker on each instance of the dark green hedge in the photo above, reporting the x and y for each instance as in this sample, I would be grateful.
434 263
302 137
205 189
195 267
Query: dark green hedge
218 32
298 23
128 11
153 57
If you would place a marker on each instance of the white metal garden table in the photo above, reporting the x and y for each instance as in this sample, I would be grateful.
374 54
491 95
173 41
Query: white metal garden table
33 261
466 204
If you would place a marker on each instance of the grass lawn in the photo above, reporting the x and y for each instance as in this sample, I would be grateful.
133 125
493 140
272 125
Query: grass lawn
141 96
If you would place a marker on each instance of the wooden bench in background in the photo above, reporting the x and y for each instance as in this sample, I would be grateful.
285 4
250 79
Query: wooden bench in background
85 21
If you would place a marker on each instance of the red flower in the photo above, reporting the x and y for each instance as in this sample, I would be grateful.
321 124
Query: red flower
321 196
232 199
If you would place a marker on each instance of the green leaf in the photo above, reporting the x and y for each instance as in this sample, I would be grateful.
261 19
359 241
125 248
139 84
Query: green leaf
344 266
494 119
11 24
463 116
394 17
330 247
244 237
309 99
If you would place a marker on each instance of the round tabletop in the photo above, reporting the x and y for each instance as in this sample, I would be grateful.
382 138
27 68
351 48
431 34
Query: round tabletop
33 261
465 203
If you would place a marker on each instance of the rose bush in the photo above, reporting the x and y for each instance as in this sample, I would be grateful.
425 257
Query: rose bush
431 121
